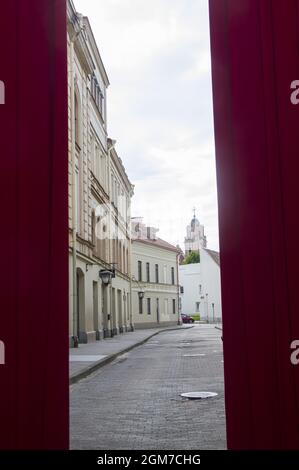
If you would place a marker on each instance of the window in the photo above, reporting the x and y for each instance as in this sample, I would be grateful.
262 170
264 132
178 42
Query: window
92 144
76 120
200 288
172 276
157 273
139 271
165 273
77 202
173 305
148 306
97 94
147 272
181 289
125 270
197 306
97 162
166 306
140 305
115 192
118 196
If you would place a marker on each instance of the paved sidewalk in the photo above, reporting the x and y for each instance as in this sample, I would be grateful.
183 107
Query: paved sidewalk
89 357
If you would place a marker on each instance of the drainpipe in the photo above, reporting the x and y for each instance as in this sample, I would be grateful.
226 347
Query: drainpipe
73 39
110 323
178 284
130 274
75 341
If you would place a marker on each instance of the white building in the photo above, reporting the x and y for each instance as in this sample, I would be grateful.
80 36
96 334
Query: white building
195 238
99 198
200 287
155 290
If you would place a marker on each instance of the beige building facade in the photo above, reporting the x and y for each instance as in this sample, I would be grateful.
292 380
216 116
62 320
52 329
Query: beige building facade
99 199
155 289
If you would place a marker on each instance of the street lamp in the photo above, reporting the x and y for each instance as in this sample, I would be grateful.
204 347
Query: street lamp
141 294
106 276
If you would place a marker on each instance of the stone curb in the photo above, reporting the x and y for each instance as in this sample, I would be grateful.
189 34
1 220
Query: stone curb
106 360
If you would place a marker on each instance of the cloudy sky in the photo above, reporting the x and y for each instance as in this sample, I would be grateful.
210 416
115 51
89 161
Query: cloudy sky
157 57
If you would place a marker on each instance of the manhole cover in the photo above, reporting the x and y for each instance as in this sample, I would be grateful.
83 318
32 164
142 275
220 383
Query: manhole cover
193 355
198 395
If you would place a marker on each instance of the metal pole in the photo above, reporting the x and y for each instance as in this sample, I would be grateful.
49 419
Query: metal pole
110 317
178 287
74 192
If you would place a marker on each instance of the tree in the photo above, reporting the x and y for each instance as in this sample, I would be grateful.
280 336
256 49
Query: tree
193 257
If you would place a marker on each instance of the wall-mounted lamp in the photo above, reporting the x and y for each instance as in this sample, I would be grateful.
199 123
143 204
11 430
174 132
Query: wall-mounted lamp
141 294
106 275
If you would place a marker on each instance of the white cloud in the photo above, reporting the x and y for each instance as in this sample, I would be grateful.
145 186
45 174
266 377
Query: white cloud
157 58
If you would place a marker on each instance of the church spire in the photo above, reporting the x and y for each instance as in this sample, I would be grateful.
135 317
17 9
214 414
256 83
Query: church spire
195 238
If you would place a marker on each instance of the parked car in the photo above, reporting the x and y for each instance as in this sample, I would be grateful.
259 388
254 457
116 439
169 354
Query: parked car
186 318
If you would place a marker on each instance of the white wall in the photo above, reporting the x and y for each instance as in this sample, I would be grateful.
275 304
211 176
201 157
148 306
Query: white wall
207 275
165 291
212 286
190 278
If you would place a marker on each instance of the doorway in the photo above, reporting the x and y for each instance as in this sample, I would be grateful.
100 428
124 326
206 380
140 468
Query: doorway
79 328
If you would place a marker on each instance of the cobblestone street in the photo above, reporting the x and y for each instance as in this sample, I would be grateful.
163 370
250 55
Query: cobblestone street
135 402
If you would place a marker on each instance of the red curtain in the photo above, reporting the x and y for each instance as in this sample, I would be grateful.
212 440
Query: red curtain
254 47
34 233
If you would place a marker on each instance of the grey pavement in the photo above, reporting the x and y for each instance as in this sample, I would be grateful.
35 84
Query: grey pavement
134 402
92 355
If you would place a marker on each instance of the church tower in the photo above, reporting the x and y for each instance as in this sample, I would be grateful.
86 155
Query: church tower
195 238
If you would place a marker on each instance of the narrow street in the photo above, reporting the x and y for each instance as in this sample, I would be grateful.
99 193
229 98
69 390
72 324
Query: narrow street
135 402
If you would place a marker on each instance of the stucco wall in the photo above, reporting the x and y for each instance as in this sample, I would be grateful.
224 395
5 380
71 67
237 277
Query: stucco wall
165 291
207 275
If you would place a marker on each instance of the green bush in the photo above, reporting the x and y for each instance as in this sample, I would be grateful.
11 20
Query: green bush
192 257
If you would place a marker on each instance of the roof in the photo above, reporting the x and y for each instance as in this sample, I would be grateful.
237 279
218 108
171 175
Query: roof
118 162
156 242
95 48
215 255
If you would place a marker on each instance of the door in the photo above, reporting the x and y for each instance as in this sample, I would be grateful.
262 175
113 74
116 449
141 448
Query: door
95 308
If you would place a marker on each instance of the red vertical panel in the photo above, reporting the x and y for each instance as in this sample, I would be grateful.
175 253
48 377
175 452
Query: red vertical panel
8 192
34 380
254 48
